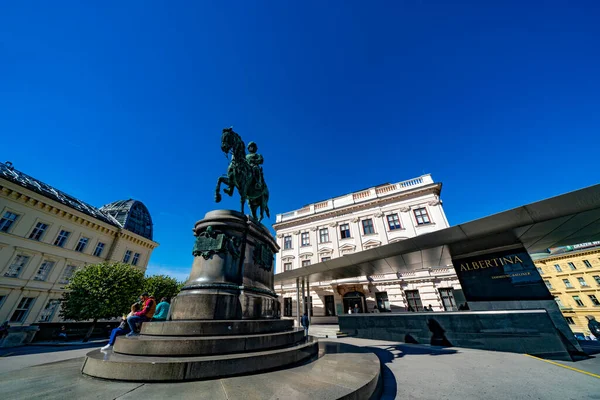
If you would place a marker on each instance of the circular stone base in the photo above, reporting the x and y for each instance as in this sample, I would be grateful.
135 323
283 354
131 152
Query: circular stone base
205 345
347 373
214 328
111 365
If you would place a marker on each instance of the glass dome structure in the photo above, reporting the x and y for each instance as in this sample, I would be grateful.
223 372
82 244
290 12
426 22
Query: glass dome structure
132 215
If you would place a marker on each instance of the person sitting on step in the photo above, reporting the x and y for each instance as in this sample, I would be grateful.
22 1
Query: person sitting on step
143 315
122 329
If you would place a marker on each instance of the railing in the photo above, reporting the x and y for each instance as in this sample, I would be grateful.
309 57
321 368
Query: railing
322 204
361 195
412 182
441 270
304 210
385 189
352 198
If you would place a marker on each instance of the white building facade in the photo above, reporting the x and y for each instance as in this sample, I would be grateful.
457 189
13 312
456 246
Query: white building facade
359 221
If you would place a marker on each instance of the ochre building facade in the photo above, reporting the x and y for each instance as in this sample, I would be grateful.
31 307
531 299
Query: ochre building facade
46 235
573 276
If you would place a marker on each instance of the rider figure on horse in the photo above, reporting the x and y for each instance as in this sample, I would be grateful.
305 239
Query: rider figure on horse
255 160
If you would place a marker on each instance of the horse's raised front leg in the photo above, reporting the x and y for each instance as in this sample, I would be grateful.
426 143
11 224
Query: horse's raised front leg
218 188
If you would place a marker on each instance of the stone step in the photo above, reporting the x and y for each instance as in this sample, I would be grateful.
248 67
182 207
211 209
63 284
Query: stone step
323 330
146 345
216 327
111 365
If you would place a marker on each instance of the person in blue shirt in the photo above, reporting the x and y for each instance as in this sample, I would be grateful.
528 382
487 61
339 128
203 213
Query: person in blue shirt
305 322
162 310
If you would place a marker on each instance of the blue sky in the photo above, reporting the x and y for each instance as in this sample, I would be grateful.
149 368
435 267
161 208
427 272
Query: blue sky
498 100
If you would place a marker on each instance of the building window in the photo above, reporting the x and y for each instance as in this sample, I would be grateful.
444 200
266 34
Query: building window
597 279
541 271
594 300
557 267
570 320
7 220
560 304
287 306
306 301
82 244
578 301
68 273
382 300
287 267
422 216
345 231
368 228
136 258
61 239
127 256
572 266
587 264
305 263
15 269
329 306
448 300
48 312
287 242
38 231
304 239
548 284
22 310
567 283
329 258
414 300
99 249
324 235
393 222
582 282
44 271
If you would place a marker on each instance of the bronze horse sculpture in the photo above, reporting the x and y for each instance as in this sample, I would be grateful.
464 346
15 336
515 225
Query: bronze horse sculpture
245 174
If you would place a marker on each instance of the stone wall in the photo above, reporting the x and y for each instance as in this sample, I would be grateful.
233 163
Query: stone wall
517 331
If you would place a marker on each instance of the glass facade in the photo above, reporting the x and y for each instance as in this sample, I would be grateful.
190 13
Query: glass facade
132 215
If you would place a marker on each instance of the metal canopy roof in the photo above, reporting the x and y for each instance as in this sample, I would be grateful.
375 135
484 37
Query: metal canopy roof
562 220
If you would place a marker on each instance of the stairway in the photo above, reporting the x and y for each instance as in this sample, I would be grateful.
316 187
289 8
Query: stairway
324 331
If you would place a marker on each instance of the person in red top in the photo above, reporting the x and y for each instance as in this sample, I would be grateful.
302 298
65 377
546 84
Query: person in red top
145 314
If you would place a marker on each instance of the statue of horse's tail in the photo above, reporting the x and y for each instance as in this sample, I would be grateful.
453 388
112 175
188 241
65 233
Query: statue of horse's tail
267 211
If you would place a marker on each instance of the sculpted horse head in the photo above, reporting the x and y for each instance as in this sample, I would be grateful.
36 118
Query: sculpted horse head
231 141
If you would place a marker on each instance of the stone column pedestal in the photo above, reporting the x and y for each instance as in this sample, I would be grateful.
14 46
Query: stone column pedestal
232 272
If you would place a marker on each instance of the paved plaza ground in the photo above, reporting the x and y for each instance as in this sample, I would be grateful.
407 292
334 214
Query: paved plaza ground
409 372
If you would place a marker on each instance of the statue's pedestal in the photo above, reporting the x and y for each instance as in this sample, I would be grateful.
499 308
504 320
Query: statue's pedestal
224 322
232 273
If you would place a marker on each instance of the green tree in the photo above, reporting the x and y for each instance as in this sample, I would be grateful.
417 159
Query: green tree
161 286
101 291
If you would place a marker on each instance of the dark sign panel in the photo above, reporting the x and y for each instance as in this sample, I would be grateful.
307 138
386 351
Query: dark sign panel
502 275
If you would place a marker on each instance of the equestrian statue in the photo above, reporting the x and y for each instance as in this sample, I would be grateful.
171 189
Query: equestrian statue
244 173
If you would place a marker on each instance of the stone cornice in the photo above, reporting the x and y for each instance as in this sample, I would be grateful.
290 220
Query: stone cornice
30 199
564 256
432 188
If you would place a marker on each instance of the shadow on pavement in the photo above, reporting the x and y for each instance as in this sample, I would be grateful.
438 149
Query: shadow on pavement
39 349
385 355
